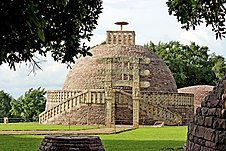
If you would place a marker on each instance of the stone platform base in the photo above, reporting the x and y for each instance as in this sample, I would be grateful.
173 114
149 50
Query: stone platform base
71 142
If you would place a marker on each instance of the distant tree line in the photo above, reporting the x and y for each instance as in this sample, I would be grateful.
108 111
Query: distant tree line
190 64
27 106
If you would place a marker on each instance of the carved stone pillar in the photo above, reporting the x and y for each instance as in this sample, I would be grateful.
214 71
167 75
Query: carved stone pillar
136 92
108 92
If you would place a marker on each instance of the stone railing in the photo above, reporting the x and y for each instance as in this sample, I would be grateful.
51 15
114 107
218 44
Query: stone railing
169 99
60 95
121 37
154 103
155 111
89 96
161 114
123 98
54 97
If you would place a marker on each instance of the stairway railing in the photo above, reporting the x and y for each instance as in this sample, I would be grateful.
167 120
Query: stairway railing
86 97
160 113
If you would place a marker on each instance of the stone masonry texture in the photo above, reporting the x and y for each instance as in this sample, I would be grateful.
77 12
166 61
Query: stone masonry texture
71 143
84 74
207 131
199 91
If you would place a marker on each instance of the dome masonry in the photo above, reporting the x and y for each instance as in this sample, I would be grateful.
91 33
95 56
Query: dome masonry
120 43
122 83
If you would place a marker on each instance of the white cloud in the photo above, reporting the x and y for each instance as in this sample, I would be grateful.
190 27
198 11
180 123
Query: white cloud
17 82
203 37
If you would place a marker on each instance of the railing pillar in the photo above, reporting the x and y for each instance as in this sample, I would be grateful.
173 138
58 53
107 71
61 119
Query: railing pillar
136 92
108 93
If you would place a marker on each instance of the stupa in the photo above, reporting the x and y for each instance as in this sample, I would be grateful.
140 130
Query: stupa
122 83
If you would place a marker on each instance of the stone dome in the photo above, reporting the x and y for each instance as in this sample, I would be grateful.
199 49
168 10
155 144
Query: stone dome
84 73
199 91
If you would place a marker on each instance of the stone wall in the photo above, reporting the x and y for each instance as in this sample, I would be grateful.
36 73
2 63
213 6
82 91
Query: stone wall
95 114
207 131
85 115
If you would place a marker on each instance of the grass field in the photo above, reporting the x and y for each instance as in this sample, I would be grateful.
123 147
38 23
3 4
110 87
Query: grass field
37 126
142 139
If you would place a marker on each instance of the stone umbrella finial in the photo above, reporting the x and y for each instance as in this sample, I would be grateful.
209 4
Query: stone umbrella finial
121 23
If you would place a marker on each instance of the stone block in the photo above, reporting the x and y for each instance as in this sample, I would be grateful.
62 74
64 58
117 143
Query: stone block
6 120
203 148
222 124
221 137
198 111
214 103
210 144
216 123
218 112
200 131
204 111
208 121
223 113
196 147
193 131
190 145
200 120
221 147
212 111
209 134
190 137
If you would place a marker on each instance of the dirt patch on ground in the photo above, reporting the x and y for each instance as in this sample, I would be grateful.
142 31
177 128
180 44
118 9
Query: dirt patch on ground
82 132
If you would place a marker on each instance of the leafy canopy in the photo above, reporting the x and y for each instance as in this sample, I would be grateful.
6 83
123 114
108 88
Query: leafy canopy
30 27
190 64
5 106
191 13
29 106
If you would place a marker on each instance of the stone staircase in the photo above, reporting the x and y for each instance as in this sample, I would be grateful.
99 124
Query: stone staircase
86 97
97 97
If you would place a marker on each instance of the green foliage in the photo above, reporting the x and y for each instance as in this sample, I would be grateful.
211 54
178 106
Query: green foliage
39 26
5 106
191 13
190 64
29 106
218 65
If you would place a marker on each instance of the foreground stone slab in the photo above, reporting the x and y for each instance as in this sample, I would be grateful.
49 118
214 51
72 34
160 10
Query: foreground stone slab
71 143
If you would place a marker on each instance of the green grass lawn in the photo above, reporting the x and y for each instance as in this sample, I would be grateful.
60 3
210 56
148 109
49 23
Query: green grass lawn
142 139
37 126
146 139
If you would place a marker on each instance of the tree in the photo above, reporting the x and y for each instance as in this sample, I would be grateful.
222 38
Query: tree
191 13
29 106
39 26
190 64
218 65
5 106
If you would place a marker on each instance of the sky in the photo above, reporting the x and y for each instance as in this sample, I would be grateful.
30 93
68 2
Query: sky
148 18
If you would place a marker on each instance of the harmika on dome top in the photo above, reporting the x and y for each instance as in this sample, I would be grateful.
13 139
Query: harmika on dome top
84 74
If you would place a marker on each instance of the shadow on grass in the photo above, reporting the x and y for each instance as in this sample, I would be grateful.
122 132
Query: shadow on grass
20 142
149 145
